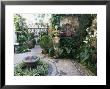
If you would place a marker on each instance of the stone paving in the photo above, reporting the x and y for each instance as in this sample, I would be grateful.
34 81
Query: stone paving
66 68
60 67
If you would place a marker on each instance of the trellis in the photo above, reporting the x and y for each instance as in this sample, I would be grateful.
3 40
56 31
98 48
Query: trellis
36 28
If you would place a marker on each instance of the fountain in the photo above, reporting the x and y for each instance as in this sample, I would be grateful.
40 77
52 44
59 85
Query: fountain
30 61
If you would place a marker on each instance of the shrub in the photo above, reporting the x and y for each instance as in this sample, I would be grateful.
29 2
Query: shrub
22 49
41 69
51 52
25 39
42 33
31 43
46 42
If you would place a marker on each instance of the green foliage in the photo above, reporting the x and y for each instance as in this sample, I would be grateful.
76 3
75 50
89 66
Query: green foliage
55 20
80 47
22 49
20 24
33 42
84 55
30 36
88 49
92 67
51 52
21 39
42 33
67 47
45 42
25 39
41 69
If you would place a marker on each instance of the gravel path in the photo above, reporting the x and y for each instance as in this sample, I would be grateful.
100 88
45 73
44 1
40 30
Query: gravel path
61 67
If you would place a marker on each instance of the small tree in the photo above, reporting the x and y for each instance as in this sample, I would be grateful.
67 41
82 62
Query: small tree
23 37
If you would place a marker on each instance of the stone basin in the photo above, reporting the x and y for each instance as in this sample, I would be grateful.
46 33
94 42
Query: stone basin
31 59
